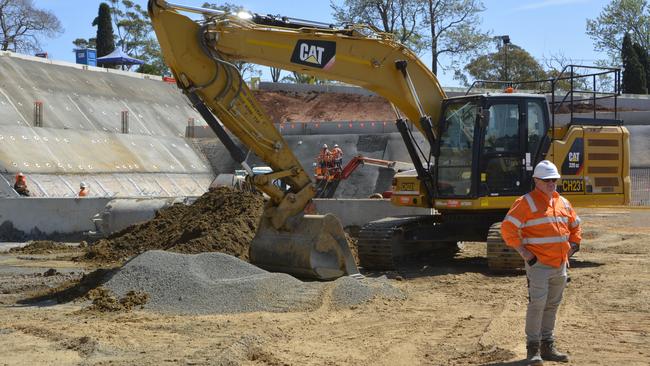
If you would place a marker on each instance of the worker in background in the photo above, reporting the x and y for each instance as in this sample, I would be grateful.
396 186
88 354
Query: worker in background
20 186
337 156
83 189
324 157
543 227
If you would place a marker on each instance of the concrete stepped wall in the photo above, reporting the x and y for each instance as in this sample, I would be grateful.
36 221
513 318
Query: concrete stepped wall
81 136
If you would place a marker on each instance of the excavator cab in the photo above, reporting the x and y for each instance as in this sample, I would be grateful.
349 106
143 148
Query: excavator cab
489 144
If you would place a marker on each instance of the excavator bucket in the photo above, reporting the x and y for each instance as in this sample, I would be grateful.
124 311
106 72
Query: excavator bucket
315 248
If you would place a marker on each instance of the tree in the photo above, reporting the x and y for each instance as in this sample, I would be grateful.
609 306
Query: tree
275 74
135 35
617 19
85 43
642 55
246 69
105 38
453 29
22 25
521 66
634 80
402 18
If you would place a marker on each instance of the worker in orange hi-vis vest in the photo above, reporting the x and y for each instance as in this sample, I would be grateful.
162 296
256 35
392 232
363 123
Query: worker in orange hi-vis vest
337 156
544 228
20 185
324 157
83 190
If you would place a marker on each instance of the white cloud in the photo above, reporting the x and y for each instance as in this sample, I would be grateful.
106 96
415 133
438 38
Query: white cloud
548 3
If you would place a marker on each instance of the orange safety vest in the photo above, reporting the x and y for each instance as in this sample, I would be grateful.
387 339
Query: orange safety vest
83 193
337 153
325 155
546 230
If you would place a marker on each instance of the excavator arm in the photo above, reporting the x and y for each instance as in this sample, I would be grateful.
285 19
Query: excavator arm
201 55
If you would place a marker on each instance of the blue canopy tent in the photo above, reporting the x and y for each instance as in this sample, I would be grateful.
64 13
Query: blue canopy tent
117 57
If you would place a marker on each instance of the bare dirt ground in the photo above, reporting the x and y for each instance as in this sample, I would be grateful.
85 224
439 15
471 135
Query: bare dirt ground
456 313
319 107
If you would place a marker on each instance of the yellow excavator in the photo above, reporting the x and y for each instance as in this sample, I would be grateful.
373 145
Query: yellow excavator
481 153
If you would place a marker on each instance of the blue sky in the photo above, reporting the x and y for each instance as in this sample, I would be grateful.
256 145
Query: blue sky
542 27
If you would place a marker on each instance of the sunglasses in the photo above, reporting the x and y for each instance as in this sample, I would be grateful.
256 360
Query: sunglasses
548 180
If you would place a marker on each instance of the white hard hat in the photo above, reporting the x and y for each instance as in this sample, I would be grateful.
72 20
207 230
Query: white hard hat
324 146
546 170
83 185
336 145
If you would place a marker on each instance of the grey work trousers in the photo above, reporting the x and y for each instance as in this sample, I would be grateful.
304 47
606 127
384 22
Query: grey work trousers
545 287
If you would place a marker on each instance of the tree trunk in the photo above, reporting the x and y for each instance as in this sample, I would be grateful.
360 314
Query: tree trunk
434 40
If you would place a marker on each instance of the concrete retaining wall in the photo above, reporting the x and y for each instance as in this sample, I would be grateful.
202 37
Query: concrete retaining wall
51 215
68 216
80 133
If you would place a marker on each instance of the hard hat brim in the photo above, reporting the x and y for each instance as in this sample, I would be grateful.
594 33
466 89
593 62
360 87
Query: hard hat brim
548 176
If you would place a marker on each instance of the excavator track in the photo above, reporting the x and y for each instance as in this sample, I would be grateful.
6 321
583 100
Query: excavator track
385 244
500 257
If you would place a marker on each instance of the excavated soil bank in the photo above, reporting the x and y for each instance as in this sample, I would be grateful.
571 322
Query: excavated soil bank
44 247
222 220
319 107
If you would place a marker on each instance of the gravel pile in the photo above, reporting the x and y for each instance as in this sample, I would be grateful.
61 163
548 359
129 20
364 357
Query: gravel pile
211 283
348 291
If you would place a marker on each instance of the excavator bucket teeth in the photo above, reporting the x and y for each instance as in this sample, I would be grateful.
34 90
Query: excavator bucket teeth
316 248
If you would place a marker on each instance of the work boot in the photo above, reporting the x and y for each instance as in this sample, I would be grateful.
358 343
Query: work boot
550 353
533 357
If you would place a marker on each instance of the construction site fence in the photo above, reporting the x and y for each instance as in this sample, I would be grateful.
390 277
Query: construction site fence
640 186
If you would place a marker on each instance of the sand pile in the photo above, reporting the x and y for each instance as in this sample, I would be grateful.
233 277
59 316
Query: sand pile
217 283
222 220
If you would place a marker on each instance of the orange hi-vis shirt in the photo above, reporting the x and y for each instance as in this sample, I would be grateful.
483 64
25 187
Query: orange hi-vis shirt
545 229
337 153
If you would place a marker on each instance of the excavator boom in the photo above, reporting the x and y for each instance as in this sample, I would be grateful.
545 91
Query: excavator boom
287 239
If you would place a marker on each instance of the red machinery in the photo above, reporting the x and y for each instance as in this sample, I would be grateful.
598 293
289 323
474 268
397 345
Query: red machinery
329 176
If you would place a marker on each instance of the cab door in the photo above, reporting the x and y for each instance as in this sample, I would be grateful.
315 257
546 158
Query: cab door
502 168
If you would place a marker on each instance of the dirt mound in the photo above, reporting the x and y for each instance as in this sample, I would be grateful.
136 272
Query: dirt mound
222 220
104 300
42 247
318 107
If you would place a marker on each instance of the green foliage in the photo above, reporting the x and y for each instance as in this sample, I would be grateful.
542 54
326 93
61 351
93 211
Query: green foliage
403 18
105 39
618 18
453 30
448 28
298 78
85 43
634 79
246 69
492 66
642 54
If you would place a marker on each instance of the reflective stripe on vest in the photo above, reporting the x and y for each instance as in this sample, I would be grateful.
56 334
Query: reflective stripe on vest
531 203
513 220
567 205
546 240
575 223
546 220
